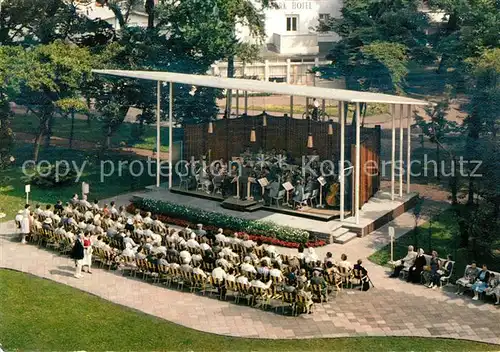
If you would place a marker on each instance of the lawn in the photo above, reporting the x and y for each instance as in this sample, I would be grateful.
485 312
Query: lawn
12 196
331 109
440 235
38 314
94 132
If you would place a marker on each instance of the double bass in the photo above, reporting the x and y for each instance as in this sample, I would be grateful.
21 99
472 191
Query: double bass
331 197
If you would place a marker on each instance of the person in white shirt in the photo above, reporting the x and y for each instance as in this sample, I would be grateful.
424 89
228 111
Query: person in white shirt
38 210
223 262
113 209
242 279
230 275
258 283
85 203
60 230
220 238
196 258
88 215
310 256
344 263
204 244
185 255
247 267
138 216
219 273
235 240
276 272
156 239
197 271
128 252
192 243
199 230
247 242
48 212
95 206
147 219
186 267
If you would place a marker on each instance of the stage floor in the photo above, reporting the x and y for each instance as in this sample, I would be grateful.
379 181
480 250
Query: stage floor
379 210
320 214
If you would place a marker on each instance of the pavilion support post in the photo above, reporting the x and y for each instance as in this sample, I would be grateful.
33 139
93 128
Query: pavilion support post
237 103
158 107
408 151
393 150
291 105
342 159
323 107
307 108
170 134
358 161
246 102
401 145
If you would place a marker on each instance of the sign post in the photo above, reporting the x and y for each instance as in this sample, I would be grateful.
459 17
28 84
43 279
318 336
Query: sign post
85 189
391 235
27 190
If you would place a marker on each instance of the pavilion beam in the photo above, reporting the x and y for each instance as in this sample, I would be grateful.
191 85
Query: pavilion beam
393 150
358 161
158 108
170 134
408 151
401 145
342 158
246 102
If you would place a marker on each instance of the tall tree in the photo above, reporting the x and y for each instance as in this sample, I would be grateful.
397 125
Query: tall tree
50 74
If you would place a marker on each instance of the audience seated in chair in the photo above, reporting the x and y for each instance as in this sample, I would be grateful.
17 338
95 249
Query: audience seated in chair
405 263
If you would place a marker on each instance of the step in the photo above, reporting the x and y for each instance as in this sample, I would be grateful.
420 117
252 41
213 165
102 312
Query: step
346 237
254 207
337 233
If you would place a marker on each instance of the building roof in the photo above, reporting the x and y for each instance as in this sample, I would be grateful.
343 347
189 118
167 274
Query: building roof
265 87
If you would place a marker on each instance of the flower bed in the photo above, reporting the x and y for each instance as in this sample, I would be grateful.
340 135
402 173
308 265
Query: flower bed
266 231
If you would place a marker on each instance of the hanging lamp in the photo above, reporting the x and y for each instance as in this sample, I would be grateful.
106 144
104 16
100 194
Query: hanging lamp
310 142
253 136
330 127
264 120
210 127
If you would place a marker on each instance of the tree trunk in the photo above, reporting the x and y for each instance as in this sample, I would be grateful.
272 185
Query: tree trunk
364 107
72 130
108 138
38 142
88 113
48 135
230 74
438 161
470 198
150 10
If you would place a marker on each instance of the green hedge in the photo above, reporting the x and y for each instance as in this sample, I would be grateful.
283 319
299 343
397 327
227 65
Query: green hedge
195 215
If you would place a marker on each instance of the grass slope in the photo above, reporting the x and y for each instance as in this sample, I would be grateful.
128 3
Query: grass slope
12 196
38 314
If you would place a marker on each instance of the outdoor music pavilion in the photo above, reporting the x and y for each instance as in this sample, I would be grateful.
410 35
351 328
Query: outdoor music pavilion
227 137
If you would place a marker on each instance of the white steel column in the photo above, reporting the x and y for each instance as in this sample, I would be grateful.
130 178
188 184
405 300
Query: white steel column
342 156
170 134
408 151
358 160
393 150
158 101
401 142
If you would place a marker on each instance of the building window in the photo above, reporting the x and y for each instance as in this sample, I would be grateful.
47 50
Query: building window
324 17
292 23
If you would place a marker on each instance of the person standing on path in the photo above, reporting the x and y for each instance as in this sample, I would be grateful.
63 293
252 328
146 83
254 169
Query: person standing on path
77 253
25 223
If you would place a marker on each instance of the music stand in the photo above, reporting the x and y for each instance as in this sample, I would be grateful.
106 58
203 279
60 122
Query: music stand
288 187
250 181
322 182
263 182
237 180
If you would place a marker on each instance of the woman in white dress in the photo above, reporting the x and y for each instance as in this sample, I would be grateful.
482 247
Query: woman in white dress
25 223
87 253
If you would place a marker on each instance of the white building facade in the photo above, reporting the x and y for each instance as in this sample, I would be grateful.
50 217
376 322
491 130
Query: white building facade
290 28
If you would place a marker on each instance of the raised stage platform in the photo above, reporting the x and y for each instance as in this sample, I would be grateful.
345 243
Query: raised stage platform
320 214
379 210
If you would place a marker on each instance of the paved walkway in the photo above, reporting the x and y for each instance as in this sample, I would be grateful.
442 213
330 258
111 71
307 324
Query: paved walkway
393 308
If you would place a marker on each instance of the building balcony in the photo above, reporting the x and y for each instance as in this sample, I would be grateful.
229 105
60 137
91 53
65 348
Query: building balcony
296 43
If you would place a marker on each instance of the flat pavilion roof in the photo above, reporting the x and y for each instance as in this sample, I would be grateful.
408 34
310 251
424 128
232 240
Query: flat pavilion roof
249 85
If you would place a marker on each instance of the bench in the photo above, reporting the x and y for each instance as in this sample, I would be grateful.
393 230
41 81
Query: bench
444 280
469 285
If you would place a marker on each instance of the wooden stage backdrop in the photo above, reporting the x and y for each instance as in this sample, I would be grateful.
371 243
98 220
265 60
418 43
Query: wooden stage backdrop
230 137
